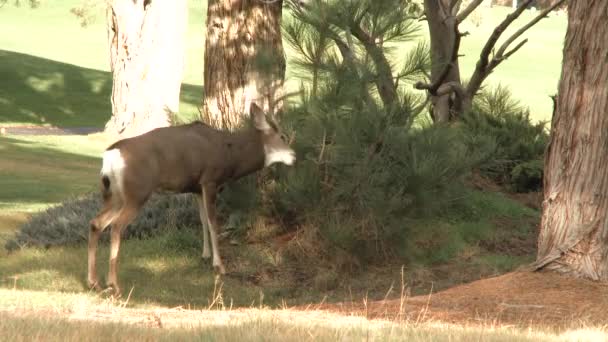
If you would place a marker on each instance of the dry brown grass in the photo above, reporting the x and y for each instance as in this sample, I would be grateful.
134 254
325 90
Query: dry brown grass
74 317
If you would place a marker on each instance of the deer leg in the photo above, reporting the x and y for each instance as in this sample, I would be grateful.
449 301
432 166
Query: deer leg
203 215
94 233
97 225
127 214
209 194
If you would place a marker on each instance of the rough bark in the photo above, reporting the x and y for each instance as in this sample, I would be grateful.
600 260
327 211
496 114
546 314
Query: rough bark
146 40
574 227
244 60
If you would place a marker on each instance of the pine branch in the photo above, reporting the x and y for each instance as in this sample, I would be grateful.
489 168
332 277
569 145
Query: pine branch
384 81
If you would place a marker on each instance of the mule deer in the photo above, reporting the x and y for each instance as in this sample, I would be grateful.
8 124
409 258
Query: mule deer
193 158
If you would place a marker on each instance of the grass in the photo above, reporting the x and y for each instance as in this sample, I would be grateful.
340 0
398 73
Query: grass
38 171
48 79
74 317
82 317
267 327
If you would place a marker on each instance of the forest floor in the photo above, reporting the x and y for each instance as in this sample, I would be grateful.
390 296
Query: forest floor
517 298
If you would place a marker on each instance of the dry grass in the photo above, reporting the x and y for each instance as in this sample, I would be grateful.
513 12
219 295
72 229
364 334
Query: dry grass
29 315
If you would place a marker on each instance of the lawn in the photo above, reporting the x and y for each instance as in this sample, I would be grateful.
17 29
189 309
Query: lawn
53 71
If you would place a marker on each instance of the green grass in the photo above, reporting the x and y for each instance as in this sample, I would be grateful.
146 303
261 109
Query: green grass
37 171
157 271
54 71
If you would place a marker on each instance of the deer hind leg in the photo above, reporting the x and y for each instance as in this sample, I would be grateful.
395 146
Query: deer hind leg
209 195
105 217
127 214
203 215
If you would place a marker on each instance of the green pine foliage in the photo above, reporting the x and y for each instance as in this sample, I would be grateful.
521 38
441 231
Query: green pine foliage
520 144
366 168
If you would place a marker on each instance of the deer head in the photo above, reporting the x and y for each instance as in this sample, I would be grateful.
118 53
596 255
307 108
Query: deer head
276 147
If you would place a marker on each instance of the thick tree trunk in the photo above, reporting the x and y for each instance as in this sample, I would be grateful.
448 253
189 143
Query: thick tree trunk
442 34
574 228
244 60
147 58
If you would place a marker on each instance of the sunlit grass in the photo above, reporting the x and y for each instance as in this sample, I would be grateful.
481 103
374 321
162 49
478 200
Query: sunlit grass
27 315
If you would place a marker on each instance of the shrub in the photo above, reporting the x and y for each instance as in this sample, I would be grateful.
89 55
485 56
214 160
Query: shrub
68 223
360 181
520 144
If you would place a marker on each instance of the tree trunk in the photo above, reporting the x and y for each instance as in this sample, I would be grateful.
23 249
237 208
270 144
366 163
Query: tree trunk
244 60
147 59
574 227
442 34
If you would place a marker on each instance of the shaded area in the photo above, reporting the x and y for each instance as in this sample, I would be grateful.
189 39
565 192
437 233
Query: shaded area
51 130
32 174
39 91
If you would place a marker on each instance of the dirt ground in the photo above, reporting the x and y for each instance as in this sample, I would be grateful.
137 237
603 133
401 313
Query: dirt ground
518 298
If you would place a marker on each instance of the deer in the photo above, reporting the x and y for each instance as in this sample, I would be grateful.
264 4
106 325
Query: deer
192 158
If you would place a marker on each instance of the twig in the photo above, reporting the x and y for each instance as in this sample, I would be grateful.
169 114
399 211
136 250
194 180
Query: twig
509 41
123 305
426 307
468 10
322 147
402 297
481 68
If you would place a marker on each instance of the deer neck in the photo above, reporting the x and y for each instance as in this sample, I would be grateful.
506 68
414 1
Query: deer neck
246 153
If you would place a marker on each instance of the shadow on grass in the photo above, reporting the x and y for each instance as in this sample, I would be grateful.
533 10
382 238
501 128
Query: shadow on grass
33 174
154 273
35 91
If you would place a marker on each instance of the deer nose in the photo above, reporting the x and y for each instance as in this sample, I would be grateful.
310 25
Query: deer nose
293 160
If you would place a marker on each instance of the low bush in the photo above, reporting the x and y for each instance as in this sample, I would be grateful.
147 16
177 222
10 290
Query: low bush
68 223
520 143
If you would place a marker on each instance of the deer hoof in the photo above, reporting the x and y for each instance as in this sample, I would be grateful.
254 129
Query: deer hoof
94 285
113 290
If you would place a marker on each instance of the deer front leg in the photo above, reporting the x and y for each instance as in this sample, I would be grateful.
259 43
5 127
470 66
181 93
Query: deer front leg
209 195
203 215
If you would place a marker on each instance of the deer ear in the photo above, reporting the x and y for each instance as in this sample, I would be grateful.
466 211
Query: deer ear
259 118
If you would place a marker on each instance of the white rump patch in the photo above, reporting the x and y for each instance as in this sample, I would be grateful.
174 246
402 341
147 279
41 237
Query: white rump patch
285 156
113 167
